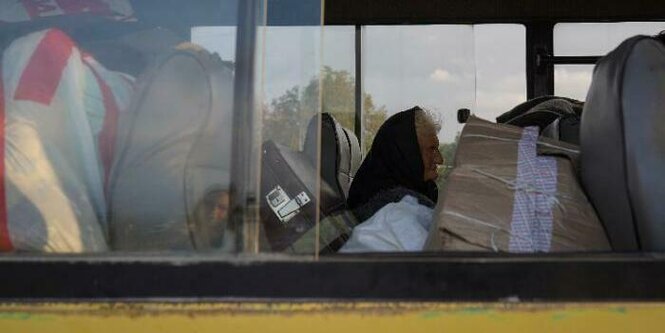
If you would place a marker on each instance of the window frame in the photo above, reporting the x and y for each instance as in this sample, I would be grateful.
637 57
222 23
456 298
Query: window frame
385 277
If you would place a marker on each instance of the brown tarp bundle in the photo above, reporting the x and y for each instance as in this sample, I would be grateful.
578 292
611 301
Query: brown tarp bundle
488 204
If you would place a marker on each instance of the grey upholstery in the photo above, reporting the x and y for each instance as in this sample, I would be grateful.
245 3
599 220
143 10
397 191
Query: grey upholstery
349 161
173 150
340 153
296 171
623 146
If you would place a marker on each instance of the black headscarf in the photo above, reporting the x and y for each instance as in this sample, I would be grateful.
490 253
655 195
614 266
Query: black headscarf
393 161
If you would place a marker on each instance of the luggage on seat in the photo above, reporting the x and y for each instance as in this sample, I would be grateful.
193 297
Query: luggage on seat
556 117
288 186
59 111
623 145
173 155
340 154
503 196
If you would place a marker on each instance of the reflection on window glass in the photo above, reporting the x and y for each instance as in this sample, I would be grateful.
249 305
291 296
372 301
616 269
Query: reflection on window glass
112 127
289 99
290 96
579 39
338 77
572 80
118 123
220 40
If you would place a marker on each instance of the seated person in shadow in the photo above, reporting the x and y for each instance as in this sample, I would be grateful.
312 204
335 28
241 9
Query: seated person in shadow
393 192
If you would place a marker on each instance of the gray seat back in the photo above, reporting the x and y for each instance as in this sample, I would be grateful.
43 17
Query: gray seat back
340 154
622 144
173 153
289 172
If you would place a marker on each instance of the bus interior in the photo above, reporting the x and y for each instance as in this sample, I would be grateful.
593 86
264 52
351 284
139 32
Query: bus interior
206 149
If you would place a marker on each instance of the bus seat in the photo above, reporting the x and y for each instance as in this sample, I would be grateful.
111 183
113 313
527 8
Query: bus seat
173 152
355 159
291 176
340 153
622 145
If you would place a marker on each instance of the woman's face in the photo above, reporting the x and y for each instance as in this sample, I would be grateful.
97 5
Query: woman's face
429 150
221 210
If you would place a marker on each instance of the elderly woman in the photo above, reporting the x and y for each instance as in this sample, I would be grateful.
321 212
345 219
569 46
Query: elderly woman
394 191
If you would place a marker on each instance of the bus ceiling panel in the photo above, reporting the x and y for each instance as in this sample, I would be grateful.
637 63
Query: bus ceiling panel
185 13
225 12
294 12
367 12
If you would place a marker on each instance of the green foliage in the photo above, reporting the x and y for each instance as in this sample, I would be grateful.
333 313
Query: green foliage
374 118
448 152
285 120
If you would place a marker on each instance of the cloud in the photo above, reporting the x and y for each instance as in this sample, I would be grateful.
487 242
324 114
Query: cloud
441 75
490 104
573 82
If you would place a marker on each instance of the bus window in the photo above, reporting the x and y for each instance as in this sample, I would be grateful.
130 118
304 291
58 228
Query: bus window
590 39
572 80
157 117
338 77
442 68
218 39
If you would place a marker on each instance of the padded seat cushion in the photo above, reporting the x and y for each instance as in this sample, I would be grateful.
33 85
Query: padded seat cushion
623 146
173 151
340 155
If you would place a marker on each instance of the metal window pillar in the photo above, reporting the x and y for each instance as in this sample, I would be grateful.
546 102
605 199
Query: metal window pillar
359 87
539 75
242 198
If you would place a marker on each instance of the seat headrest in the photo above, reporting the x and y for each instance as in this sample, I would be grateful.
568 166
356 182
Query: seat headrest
350 161
622 148
340 152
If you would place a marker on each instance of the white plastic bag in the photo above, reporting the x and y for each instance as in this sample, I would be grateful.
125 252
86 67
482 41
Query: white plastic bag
55 109
396 227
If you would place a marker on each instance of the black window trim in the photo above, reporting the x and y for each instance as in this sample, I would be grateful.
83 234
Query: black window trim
379 277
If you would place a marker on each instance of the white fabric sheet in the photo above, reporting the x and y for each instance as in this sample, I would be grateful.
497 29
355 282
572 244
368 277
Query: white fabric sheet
397 227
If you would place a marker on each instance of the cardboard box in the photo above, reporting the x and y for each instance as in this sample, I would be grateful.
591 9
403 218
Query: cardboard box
503 196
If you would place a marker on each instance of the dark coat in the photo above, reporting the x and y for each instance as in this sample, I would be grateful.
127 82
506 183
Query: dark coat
393 161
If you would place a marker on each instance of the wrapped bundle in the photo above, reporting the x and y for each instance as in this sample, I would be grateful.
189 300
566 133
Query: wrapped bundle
503 196
59 108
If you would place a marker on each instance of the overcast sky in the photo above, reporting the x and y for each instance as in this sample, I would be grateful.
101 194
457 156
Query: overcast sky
440 67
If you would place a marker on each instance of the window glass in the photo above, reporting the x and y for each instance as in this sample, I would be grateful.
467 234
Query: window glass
500 68
338 77
217 39
572 80
590 39
403 66
292 61
127 123
442 68
290 94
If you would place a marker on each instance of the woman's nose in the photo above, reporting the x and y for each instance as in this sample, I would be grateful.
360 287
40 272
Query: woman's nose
438 159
